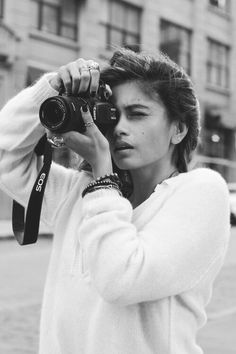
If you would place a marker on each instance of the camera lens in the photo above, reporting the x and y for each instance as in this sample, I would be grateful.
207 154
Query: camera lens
52 114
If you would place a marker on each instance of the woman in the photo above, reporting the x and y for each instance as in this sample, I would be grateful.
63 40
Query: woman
128 274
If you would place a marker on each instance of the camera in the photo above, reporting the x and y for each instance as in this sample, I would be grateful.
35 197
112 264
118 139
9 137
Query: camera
61 114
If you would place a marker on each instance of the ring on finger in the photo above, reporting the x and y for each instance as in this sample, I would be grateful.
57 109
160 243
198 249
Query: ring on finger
93 66
84 69
56 141
89 124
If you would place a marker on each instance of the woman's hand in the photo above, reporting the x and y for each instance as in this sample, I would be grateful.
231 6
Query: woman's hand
91 145
78 77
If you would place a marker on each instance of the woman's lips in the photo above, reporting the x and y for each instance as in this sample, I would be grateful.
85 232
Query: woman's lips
120 146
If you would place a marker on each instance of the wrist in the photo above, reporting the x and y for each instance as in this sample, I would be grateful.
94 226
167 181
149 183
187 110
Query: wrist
102 169
108 181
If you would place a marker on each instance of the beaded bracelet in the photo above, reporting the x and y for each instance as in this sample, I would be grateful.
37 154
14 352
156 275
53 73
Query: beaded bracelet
111 179
111 176
95 188
100 184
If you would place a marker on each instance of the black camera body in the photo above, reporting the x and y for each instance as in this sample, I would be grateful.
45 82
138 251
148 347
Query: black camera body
61 114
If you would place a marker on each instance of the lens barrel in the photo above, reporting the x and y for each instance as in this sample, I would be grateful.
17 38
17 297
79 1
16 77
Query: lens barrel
53 113
62 113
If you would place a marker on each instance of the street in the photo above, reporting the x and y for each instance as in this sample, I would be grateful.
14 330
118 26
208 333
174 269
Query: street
22 276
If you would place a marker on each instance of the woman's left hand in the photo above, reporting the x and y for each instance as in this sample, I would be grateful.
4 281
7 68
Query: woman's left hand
91 145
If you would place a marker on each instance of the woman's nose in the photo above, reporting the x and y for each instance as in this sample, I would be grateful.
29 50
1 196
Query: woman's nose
121 128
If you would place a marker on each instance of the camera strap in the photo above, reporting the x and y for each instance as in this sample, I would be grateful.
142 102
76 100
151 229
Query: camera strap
26 229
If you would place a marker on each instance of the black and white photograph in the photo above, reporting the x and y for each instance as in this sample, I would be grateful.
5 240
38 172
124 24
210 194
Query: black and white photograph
118 177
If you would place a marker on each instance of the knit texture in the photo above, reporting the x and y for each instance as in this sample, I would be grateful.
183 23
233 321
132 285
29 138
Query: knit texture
119 281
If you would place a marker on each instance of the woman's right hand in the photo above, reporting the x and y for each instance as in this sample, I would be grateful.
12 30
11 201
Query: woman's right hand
77 77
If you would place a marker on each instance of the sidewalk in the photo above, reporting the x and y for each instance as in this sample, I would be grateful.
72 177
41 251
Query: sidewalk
5 228
218 336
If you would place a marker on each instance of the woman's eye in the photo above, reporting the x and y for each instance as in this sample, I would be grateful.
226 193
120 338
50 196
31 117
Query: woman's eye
136 114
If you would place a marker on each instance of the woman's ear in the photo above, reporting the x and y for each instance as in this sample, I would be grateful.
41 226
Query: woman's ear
180 131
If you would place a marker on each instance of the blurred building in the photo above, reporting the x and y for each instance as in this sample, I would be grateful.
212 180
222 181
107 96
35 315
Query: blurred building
37 36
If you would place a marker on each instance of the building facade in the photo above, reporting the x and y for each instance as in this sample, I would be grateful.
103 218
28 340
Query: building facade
38 36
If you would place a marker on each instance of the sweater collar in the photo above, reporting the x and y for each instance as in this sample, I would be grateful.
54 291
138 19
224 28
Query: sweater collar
169 180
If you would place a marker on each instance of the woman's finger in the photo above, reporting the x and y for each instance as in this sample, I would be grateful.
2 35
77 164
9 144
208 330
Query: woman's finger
75 77
76 141
94 83
82 67
95 75
66 78
109 91
88 120
85 78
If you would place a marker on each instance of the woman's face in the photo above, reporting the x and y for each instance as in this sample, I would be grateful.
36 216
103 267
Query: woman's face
142 136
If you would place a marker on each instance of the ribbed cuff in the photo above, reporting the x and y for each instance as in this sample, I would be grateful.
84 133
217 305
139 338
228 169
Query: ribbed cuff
103 192
105 200
42 89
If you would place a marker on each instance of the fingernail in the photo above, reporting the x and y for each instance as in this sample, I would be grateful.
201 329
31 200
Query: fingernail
85 108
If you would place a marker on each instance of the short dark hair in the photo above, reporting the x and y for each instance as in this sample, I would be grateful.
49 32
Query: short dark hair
163 77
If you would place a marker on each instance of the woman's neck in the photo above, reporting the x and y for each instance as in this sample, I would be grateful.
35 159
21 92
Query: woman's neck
145 180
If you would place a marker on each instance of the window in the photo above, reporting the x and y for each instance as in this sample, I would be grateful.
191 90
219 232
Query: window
1 8
216 139
223 5
123 28
176 43
218 64
58 17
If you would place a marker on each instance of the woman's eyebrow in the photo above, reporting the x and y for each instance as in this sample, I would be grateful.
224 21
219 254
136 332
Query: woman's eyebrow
135 105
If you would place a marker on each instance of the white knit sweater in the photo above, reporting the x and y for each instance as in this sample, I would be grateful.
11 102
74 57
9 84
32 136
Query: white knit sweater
120 281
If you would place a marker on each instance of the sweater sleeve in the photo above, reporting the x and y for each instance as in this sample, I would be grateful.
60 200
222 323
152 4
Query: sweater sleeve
169 255
20 130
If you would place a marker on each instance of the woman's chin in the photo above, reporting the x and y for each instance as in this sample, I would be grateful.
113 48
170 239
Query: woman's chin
124 165
124 160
